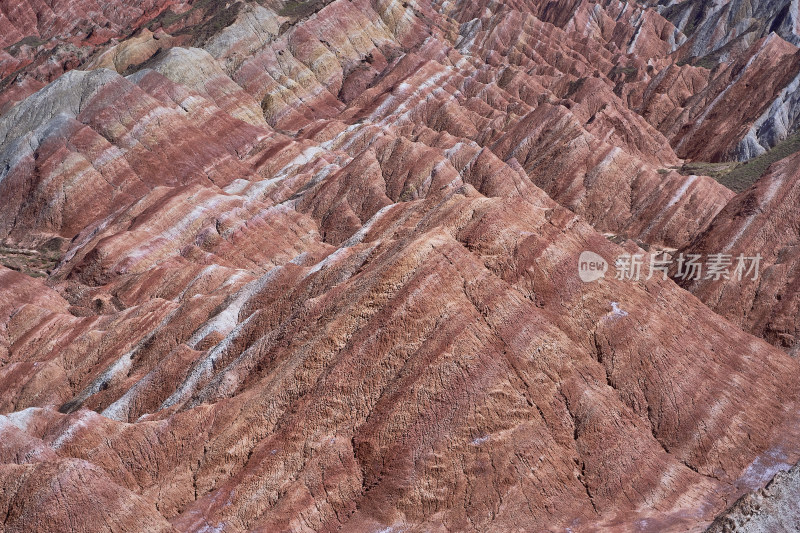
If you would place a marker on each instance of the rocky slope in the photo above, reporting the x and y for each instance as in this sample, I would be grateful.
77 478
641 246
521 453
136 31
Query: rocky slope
312 266
723 27
773 508
762 220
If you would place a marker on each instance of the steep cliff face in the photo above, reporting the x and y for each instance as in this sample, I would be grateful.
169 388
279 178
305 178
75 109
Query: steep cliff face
746 108
313 266
735 35
725 26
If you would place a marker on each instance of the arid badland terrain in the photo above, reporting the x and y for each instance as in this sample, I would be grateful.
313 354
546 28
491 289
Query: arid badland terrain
313 266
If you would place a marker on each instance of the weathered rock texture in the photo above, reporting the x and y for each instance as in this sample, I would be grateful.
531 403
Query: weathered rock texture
762 220
773 508
313 267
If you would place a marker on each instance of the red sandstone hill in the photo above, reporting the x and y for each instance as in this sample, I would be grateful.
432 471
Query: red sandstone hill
762 220
313 266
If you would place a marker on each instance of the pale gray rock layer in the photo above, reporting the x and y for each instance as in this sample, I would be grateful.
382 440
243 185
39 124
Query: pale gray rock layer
773 509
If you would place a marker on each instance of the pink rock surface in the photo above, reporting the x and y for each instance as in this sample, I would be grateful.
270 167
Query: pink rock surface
763 221
314 268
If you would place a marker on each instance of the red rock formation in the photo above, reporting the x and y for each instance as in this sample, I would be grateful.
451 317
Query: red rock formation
313 267
761 220
714 120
